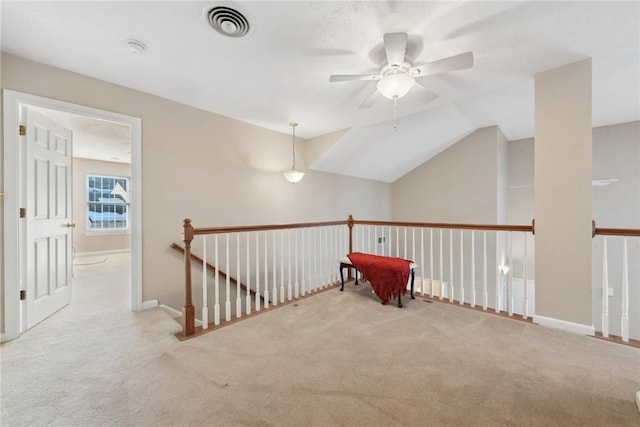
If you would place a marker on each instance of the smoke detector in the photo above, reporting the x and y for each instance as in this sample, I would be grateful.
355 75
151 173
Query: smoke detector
136 47
227 21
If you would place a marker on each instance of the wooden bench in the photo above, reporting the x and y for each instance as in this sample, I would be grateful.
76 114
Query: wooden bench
345 262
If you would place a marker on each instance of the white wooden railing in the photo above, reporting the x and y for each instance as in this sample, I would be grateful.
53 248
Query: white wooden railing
477 265
616 289
487 266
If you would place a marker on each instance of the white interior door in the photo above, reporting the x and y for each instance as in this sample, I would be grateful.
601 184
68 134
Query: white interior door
48 239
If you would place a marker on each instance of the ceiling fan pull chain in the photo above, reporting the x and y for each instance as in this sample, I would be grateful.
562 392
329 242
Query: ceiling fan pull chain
395 114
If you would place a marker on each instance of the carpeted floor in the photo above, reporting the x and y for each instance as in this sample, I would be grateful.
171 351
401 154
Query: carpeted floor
335 359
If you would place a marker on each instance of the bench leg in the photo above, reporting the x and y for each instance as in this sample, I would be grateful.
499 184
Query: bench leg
341 277
399 301
412 280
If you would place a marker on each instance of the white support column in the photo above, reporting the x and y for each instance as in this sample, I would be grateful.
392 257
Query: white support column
525 310
441 268
432 273
498 290
303 255
282 265
510 283
296 286
422 261
563 197
274 271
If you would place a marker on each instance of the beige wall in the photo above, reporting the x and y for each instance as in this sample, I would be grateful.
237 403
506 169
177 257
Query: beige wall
212 169
562 193
91 242
458 185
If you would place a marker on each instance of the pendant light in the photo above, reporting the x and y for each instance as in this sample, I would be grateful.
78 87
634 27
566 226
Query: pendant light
292 175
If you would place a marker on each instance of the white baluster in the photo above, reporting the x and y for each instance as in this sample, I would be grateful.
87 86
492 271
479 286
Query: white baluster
389 243
404 249
266 269
369 239
510 288
497 308
473 269
282 266
216 306
274 279
413 243
248 261
375 236
432 273
397 241
461 267
526 280
624 327
485 288
296 287
316 245
303 255
258 302
205 306
227 305
238 299
422 261
441 268
289 284
451 265
605 289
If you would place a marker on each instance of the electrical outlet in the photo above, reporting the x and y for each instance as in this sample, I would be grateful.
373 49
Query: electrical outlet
381 240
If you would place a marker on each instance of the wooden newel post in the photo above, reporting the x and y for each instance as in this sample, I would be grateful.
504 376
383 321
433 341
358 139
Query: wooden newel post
188 311
350 225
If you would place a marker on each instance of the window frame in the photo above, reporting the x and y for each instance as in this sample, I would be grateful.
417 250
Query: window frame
89 230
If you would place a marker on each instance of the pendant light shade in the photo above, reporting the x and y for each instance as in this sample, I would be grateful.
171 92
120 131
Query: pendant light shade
292 175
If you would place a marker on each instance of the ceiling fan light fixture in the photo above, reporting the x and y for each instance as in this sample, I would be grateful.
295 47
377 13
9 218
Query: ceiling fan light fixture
395 85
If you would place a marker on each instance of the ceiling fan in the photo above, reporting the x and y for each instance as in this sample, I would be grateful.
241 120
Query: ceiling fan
398 75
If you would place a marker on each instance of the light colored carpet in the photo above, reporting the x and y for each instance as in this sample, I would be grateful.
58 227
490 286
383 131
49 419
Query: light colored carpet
335 359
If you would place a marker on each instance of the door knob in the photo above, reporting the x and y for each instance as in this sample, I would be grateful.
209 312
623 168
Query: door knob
70 225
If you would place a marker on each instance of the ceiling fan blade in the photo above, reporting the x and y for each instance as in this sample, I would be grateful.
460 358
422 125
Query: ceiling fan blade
452 63
425 94
395 46
371 99
348 78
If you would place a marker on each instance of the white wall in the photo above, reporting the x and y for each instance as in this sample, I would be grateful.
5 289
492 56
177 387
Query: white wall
212 169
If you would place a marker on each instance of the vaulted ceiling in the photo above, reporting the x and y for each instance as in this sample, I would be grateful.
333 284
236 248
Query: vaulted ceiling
279 72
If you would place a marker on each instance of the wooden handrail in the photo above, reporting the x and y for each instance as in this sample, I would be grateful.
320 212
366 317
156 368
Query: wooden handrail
629 232
491 227
212 269
247 228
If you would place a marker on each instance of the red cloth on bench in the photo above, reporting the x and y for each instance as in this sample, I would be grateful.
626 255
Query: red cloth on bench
388 276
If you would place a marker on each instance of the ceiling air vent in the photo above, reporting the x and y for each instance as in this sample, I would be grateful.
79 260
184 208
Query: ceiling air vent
228 22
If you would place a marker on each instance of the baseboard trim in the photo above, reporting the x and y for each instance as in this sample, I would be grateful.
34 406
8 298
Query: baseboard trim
576 328
175 313
638 400
109 252
152 303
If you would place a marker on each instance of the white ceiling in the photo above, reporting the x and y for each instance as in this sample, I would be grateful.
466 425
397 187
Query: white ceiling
280 71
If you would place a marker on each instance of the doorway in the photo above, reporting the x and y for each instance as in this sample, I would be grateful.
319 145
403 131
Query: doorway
16 194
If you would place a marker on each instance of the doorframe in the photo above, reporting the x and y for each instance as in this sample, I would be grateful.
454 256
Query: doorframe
14 180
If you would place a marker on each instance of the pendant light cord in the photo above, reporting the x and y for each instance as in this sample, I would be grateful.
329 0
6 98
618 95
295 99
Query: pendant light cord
293 125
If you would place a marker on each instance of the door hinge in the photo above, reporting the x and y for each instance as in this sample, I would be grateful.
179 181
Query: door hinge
23 212
22 130
23 295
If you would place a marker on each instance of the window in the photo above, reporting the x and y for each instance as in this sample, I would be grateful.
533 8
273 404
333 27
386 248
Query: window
108 203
